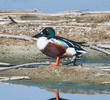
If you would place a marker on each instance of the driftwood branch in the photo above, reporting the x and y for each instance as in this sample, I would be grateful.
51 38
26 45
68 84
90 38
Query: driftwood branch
103 46
37 21
105 68
46 22
99 49
5 64
13 78
99 46
16 37
22 65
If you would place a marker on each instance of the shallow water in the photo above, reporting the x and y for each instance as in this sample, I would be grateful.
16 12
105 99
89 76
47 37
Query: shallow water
84 60
35 90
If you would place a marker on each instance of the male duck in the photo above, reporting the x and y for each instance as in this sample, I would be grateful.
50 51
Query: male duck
56 46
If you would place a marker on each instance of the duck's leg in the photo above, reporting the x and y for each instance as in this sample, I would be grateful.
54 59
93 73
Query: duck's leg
74 60
57 95
57 61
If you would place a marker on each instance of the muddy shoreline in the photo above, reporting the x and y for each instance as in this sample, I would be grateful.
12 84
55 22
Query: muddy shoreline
73 74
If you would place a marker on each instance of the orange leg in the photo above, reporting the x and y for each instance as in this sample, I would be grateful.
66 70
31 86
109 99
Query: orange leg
57 61
57 95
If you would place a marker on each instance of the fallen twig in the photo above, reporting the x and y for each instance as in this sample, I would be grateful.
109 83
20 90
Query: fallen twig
12 20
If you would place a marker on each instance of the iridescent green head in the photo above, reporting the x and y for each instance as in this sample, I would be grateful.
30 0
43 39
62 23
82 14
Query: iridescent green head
47 32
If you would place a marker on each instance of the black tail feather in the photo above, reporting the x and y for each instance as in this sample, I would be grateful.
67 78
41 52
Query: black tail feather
67 41
80 43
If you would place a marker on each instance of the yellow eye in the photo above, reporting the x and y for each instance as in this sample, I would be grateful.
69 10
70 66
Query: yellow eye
47 30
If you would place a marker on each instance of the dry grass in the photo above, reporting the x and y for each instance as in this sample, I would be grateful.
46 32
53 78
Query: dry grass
33 17
93 19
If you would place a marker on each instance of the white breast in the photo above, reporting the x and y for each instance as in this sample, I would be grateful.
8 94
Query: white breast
41 43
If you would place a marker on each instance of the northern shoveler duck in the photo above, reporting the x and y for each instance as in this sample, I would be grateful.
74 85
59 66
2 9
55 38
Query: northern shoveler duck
56 46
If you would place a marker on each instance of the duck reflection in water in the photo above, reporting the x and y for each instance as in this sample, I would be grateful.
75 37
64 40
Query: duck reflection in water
57 96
